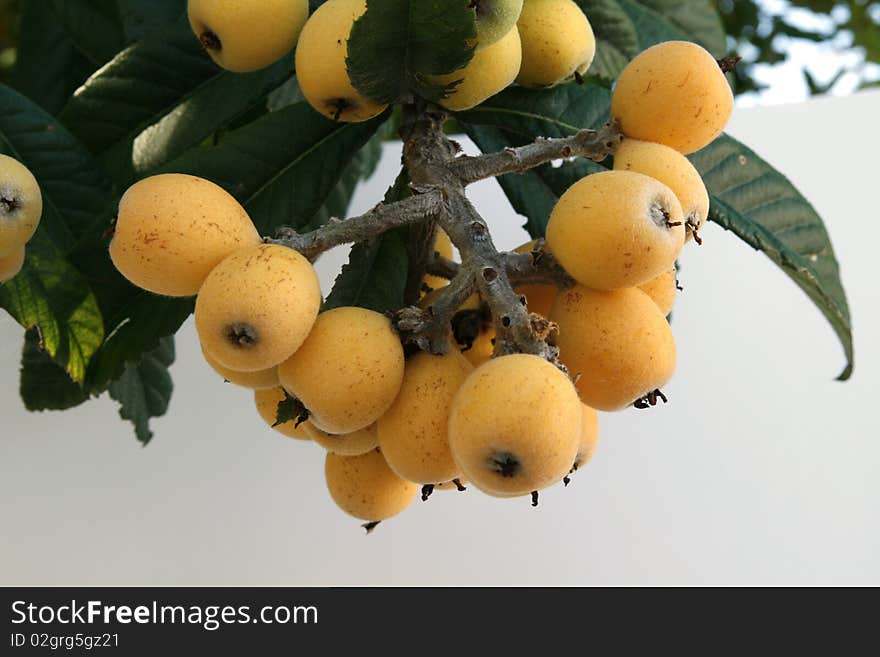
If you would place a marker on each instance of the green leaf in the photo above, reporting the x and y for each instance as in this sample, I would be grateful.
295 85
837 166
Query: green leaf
361 167
75 192
49 294
144 389
215 104
283 166
94 26
141 18
557 112
758 204
616 38
290 409
48 66
699 19
397 44
45 385
375 275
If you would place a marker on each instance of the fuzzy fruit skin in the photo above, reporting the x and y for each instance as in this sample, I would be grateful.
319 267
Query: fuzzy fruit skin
173 229
589 438
617 341
492 69
351 444
21 205
609 230
365 487
252 34
557 41
672 169
450 485
320 63
348 371
259 380
662 290
267 406
443 246
673 93
11 265
522 409
539 298
268 292
495 18
413 433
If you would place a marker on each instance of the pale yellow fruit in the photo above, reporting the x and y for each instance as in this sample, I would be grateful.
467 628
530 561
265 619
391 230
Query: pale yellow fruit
267 406
259 380
348 371
351 444
492 69
616 229
365 487
413 433
247 35
557 42
257 306
589 438
494 19
443 246
675 94
11 265
662 290
320 63
173 229
617 342
21 205
515 425
539 298
672 169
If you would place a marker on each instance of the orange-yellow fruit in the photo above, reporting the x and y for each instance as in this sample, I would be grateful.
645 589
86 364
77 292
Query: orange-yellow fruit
515 425
675 94
11 265
616 229
443 246
539 298
494 19
557 42
662 290
21 205
267 406
451 485
618 343
413 433
259 380
257 306
365 487
247 35
348 371
351 444
672 169
492 69
482 348
320 63
589 438
173 229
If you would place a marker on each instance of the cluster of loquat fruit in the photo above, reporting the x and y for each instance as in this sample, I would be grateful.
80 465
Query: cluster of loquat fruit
394 422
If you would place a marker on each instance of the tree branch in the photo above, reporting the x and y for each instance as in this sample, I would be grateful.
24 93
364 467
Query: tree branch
380 219
595 145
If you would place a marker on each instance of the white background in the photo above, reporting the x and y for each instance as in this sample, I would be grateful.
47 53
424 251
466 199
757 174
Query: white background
761 470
